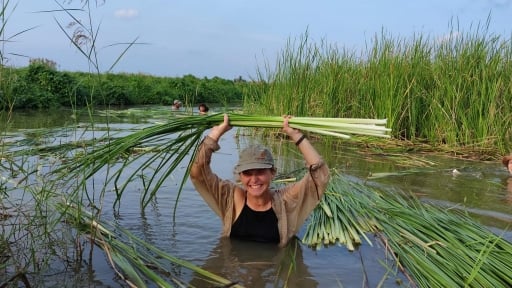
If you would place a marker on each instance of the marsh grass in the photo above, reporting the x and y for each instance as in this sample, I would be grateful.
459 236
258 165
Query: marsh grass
452 93
32 236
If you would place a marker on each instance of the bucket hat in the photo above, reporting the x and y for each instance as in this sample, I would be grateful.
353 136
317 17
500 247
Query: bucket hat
254 157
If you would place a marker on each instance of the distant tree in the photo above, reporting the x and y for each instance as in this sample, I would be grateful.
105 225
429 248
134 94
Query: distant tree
50 64
45 87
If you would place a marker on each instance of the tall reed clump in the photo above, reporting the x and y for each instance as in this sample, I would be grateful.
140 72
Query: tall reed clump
453 92
305 80
471 71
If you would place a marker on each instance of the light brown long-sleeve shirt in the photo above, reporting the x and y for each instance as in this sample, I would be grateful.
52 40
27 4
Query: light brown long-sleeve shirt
292 203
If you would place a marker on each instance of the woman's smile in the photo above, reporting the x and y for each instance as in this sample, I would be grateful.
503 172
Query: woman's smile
257 181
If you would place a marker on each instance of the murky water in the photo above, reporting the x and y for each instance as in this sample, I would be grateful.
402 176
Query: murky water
192 233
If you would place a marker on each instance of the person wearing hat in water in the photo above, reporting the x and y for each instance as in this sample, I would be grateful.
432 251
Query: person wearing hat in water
253 210
176 105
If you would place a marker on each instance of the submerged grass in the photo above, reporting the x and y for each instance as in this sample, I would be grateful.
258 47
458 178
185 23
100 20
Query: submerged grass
434 246
134 260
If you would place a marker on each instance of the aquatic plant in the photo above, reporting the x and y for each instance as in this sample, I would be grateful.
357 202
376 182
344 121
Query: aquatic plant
133 260
450 93
435 247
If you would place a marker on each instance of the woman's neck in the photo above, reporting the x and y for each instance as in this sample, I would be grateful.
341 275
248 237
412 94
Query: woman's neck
260 203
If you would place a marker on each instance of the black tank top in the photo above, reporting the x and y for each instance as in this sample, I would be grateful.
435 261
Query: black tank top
260 226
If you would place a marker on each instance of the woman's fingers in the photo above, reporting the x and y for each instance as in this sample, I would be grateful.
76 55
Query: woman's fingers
286 122
292 132
225 125
219 130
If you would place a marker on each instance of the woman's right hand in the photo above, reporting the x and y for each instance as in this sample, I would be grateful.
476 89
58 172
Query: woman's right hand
219 130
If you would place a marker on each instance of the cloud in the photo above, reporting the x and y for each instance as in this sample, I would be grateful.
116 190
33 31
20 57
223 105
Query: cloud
126 13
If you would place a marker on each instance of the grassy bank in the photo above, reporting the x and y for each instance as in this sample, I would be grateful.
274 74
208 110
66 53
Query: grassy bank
454 93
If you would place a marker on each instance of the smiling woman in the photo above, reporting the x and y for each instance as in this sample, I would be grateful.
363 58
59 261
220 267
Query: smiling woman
253 211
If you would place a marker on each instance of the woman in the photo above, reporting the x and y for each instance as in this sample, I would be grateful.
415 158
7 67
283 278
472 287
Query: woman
252 210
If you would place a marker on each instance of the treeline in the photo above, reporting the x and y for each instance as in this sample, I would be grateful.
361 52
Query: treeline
41 86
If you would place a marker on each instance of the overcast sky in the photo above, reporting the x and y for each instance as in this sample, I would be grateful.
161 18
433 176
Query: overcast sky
230 38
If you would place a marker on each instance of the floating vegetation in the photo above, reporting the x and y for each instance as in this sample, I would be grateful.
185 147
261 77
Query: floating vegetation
134 260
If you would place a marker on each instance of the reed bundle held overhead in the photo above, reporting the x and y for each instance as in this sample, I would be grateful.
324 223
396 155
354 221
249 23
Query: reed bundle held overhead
171 142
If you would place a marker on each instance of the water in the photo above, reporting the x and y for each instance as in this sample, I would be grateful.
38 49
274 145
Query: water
191 232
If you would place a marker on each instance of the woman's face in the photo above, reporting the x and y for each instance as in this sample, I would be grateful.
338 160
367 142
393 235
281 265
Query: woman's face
509 167
257 181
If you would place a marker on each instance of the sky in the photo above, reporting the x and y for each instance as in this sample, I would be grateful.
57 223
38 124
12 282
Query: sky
227 38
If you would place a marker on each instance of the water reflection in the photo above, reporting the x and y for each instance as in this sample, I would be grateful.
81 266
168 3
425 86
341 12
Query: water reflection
252 264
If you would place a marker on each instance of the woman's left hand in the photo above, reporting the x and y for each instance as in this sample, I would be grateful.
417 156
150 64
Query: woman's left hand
293 133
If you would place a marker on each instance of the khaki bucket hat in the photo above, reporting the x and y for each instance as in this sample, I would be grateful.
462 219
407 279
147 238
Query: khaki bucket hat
254 157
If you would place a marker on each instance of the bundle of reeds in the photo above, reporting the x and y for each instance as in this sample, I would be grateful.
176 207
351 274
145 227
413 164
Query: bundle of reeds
435 247
168 144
